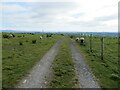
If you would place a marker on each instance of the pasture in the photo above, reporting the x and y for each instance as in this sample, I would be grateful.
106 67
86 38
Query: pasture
20 54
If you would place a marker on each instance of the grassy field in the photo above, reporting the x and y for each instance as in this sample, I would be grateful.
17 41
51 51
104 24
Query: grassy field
63 66
106 71
21 53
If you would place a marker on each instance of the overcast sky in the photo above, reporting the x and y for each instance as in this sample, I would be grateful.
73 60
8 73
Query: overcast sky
75 15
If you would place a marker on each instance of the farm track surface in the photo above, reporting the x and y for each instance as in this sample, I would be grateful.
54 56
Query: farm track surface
84 73
40 73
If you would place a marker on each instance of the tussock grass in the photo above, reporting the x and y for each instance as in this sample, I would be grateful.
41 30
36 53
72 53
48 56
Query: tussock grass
33 41
63 66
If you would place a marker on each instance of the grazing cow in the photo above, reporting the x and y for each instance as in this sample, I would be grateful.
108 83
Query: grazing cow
40 37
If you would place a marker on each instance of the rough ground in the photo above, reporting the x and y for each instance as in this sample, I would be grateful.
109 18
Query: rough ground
85 76
38 76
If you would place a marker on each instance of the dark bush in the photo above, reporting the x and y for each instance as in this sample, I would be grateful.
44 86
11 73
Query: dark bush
5 36
71 36
19 36
33 41
62 34
20 43
9 56
32 33
49 35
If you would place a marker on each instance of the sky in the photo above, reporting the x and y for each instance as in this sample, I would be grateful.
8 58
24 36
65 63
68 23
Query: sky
59 15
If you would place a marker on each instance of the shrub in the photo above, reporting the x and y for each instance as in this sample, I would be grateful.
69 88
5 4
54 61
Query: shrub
9 56
32 33
62 34
48 35
19 36
20 43
71 36
5 36
33 41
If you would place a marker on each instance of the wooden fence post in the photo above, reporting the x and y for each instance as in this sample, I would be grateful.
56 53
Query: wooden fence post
102 48
90 42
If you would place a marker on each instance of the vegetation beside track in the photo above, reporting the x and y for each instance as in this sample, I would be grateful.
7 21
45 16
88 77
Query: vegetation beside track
63 66
106 71
21 53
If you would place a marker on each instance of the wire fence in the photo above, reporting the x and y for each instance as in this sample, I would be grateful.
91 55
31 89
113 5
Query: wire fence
106 48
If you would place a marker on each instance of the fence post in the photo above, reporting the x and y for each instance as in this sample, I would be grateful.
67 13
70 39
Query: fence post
102 48
90 42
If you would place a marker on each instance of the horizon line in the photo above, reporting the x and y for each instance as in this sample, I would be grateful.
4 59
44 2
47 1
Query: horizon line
50 31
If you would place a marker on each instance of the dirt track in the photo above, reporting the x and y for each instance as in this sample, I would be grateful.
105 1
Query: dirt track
85 76
38 76
41 73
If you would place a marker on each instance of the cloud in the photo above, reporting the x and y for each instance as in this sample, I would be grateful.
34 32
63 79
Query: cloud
77 15
107 18
12 8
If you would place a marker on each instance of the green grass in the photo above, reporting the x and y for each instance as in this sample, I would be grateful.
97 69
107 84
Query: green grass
106 71
18 59
63 66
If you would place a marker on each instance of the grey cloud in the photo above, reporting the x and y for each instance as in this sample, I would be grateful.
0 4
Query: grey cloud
86 24
51 10
96 22
106 18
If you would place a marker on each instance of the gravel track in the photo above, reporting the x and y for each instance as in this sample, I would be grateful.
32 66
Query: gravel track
40 73
84 73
